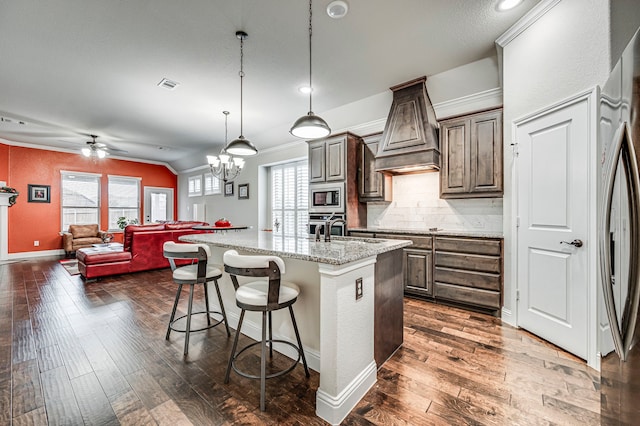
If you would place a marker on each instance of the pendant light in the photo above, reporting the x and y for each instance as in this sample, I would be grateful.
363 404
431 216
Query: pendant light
310 126
241 146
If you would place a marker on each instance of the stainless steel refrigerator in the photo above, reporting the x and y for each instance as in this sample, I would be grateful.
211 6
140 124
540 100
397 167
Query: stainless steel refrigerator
619 239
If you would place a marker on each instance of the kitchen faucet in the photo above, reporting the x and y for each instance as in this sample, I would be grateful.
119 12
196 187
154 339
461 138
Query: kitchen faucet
327 228
318 227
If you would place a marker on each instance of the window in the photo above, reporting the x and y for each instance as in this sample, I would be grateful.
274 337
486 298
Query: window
80 199
290 199
211 184
124 199
195 186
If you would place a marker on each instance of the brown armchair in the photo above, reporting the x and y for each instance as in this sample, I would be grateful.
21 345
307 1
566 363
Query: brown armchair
80 236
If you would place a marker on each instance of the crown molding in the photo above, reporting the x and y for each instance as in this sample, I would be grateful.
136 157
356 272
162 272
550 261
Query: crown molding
487 99
526 21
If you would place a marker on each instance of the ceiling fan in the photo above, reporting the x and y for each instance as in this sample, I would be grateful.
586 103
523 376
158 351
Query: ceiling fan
98 149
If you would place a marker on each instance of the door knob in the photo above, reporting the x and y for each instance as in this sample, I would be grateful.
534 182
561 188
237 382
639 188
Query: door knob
575 243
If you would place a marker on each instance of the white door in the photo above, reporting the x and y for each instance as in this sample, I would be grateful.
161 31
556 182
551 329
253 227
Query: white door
553 171
158 204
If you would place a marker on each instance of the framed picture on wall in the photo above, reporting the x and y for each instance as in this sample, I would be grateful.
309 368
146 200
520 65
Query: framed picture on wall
39 193
228 189
243 191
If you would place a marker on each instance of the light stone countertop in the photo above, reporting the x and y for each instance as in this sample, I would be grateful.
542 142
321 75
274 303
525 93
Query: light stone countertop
339 251
438 233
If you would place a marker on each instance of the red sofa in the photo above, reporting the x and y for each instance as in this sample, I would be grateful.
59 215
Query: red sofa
142 250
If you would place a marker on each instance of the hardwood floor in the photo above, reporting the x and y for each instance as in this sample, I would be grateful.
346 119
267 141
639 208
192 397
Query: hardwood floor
73 353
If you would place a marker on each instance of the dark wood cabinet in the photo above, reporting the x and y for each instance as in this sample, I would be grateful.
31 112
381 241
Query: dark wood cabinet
466 271
372 185
469 271
327 159
418 277
417 263
471 163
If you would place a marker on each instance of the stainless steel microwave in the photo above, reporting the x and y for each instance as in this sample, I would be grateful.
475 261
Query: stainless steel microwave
326 197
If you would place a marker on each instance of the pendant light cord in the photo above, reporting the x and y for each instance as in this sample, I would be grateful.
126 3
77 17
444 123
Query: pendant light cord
310 55
242 36
226 119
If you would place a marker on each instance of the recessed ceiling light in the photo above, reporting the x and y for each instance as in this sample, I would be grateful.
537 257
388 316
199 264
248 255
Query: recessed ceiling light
337 9
507 4
305 89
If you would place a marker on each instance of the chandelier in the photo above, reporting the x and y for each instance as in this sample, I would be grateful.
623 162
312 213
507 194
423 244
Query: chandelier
224 166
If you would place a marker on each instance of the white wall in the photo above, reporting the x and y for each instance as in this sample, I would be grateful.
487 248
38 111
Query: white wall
238 212
566 51
417 205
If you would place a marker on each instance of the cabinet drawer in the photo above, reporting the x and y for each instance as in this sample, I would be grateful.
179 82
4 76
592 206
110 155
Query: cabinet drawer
487 281
471 296
418 241
471 262
469 245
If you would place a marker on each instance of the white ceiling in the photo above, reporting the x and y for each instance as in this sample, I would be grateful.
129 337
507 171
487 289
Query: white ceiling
74 67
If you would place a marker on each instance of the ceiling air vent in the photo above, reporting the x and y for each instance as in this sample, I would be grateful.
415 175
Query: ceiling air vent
168 84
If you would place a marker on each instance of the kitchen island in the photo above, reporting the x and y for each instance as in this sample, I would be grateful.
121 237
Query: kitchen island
338 325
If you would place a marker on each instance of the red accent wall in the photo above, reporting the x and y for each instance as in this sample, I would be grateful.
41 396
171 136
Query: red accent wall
29 222
4 163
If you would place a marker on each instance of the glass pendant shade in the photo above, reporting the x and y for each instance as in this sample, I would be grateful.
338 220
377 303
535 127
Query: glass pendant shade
241 146
310 126
86 152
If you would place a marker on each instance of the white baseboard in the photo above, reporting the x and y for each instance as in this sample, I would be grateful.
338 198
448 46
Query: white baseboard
32 254
334 409
508 317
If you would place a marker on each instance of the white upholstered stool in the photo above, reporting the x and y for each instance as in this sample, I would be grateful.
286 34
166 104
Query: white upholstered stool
263 296
194 274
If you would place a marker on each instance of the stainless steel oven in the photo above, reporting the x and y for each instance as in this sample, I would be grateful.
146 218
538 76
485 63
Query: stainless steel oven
316 220
326 197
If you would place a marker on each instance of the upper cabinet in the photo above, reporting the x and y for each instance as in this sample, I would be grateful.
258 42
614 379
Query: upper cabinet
372 185
327 159
471 163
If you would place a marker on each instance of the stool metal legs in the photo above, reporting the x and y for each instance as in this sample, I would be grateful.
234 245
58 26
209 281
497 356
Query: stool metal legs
295 328
263 360
263 357
190 312
173 312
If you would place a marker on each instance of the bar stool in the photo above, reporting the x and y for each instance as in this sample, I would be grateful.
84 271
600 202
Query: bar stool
193 274
262 296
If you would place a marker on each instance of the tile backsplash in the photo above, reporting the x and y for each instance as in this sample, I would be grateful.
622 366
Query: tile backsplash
417 205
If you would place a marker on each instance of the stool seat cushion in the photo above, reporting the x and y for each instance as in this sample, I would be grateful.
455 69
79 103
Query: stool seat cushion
256 293
190 272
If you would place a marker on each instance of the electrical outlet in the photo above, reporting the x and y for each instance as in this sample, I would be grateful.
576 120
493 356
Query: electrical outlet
36 243
358 288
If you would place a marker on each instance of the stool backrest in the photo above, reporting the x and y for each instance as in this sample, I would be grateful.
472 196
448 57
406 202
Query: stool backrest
198 252
255 266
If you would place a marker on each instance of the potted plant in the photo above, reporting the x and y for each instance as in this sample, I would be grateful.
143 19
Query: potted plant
123 222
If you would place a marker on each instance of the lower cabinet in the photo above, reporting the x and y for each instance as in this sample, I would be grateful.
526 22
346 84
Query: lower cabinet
418 276
467 271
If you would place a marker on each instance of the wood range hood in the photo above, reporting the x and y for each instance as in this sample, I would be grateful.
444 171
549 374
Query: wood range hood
410 139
